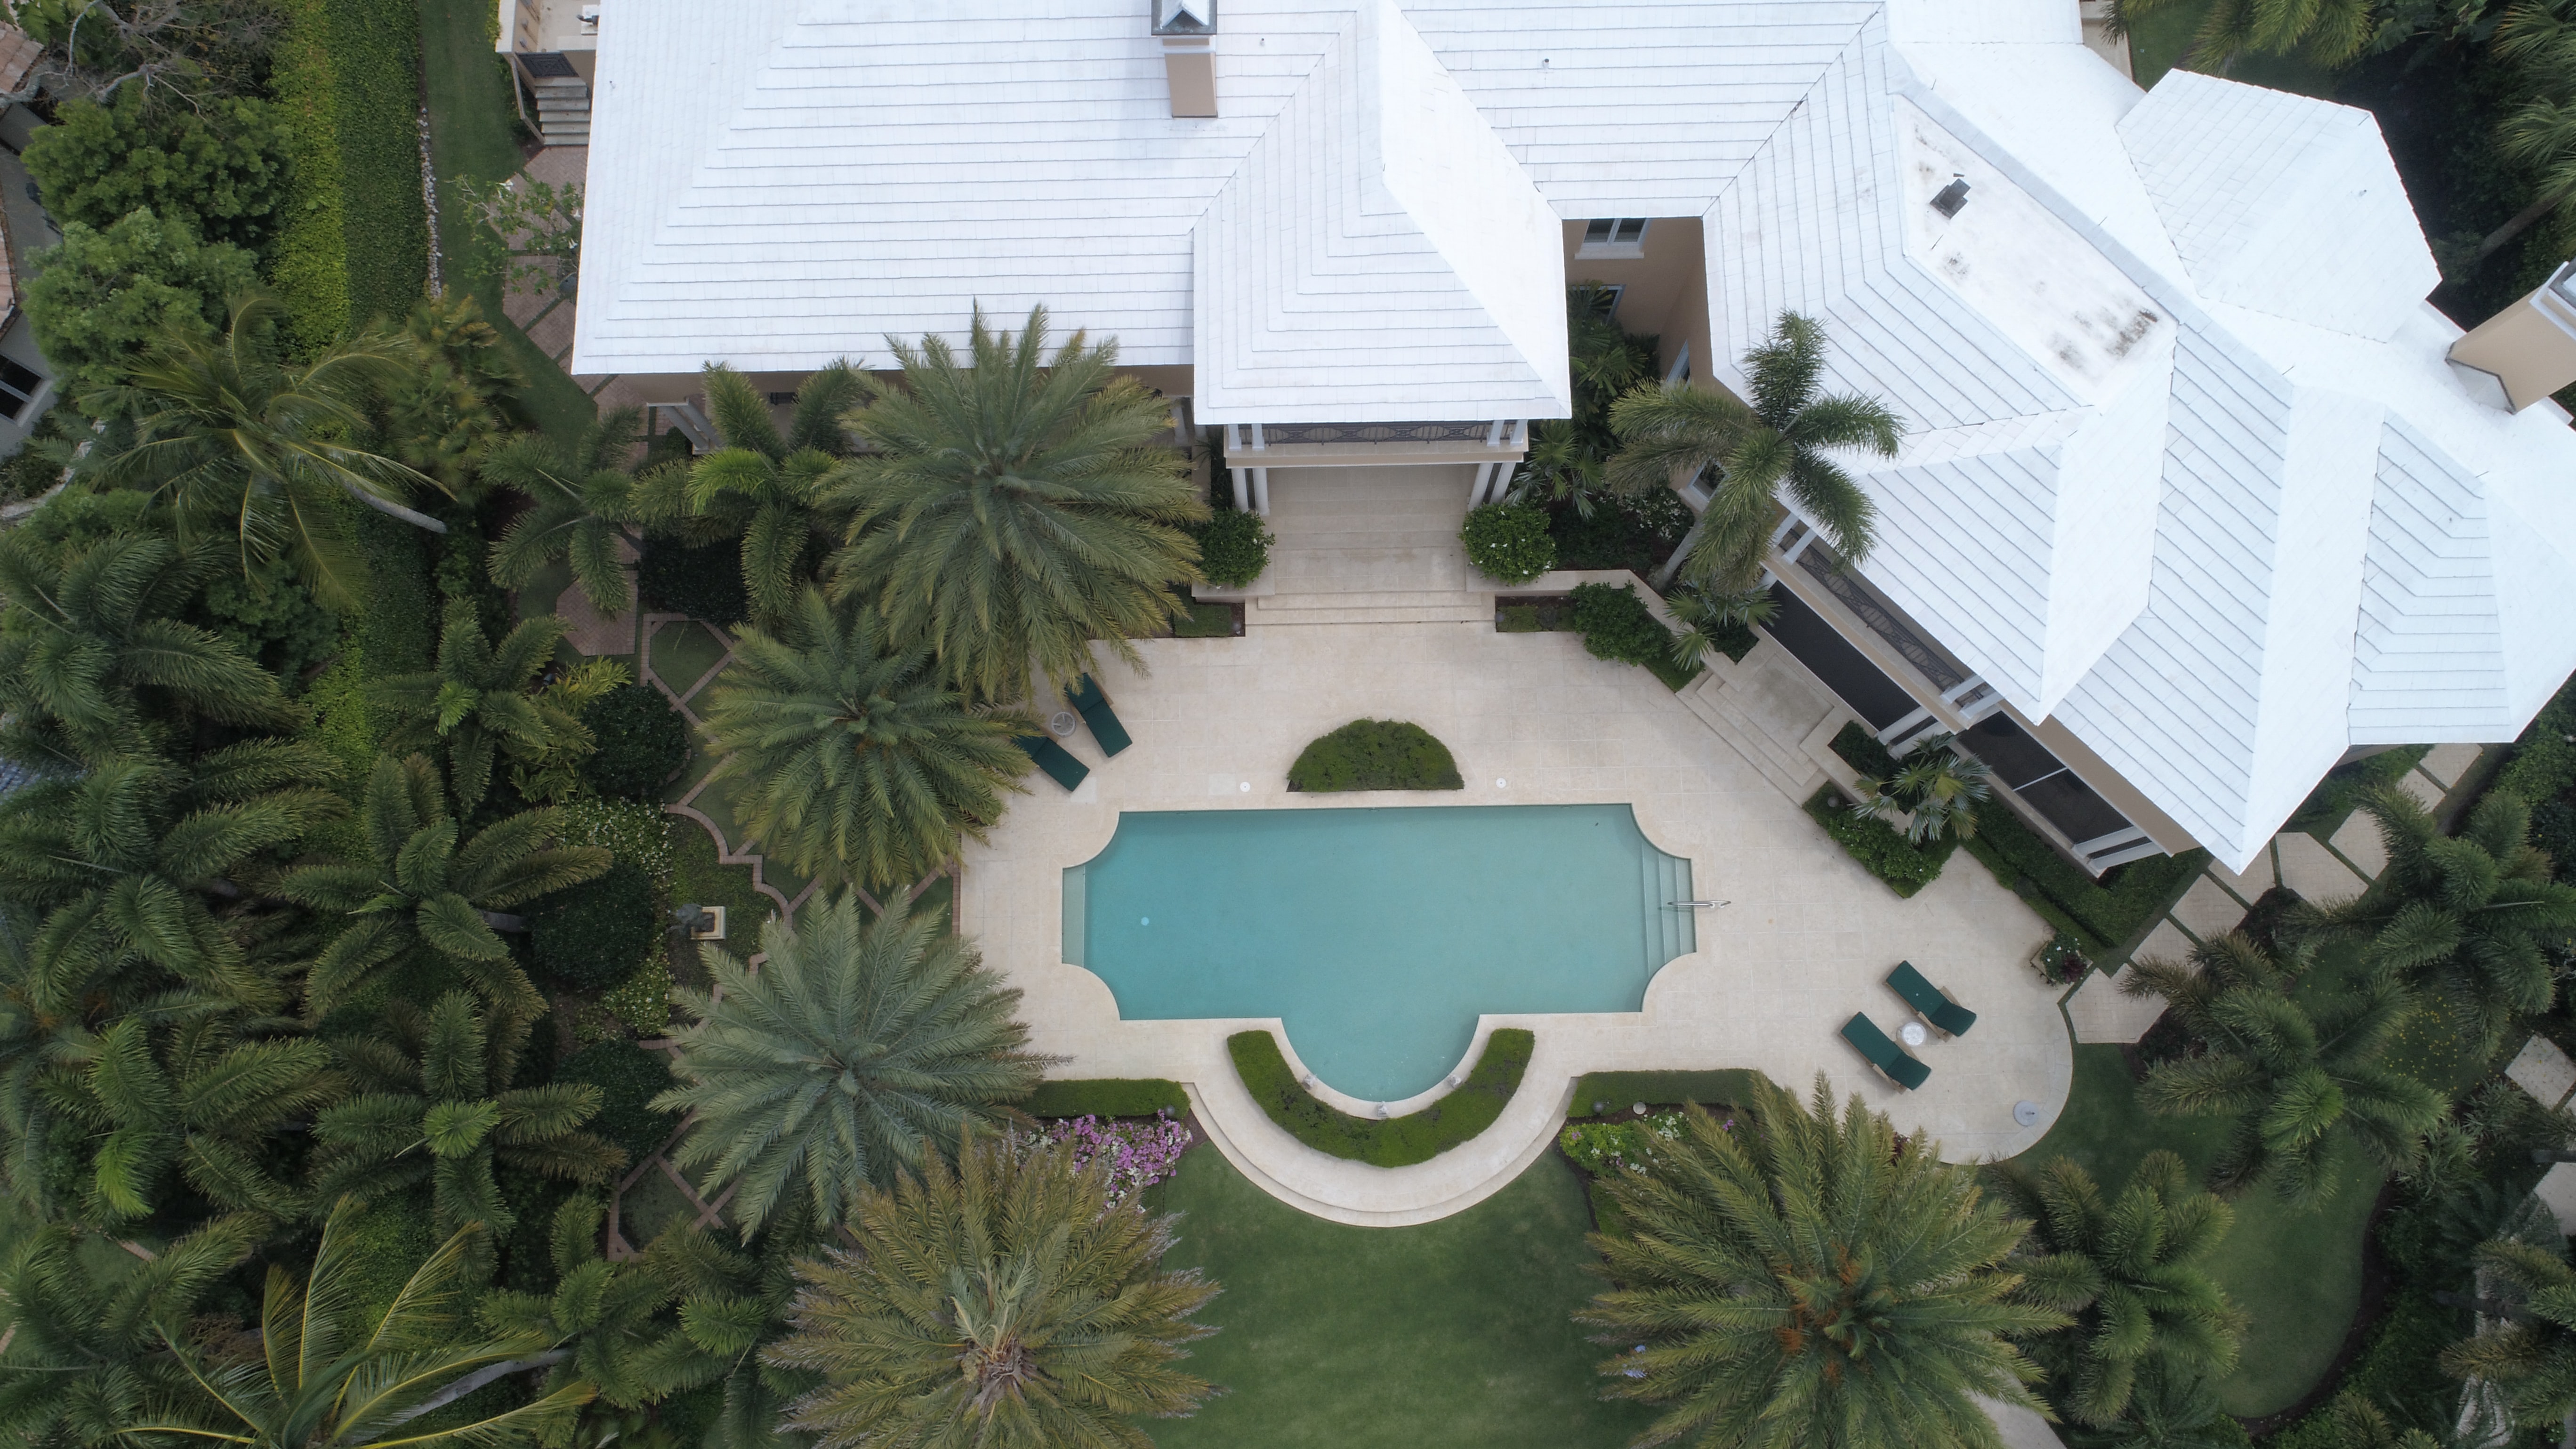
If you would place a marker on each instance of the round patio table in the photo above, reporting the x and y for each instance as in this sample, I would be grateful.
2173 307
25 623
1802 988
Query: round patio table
1912 1033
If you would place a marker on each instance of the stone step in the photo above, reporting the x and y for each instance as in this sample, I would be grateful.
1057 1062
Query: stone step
1289 598
1780 762
564 135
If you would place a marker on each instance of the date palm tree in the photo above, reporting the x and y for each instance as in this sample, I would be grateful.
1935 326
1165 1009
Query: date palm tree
761 486
1807 1279
2296 1084
95 661
422 896
2132 1271
2468 918
582 507
852 759
1005 1302
859 1049
1778 445
1016 508
327 1379
83 1360
255 451
433 1105
2329 32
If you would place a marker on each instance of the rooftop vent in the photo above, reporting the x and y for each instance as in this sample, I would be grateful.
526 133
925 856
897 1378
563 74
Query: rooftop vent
1952 197
1187 29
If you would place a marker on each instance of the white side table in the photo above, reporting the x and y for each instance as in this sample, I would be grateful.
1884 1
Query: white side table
1912 1034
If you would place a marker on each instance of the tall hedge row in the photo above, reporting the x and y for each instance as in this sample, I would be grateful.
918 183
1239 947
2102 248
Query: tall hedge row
354 241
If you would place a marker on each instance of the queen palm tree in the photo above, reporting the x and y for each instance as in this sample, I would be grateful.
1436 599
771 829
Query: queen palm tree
2296 1083
83 1360
2133 1272
1006 1302
257 451
1016 508
1755 454
421 896
853 759
205 1098
480 701
2467 918
1804 1279
859 1049
433 1105
95 662
582 506
326 1379
2171 1411
2532 1356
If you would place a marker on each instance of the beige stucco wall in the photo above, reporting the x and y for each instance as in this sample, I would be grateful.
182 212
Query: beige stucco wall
1666 292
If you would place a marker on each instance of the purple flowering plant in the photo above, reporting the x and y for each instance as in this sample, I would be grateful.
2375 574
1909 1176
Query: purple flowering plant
1139 1153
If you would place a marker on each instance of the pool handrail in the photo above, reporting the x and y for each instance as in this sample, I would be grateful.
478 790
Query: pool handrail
1930 1002
1893 1062
1093 706
1060 766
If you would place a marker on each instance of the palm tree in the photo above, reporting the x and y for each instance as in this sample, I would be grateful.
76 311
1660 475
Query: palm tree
82 1360
1016 508
2532 1356
478 702
1754 454
255 450
2133 1272
1808 1280
1937 788
421 897
325 1380
2295 1083
432 1105
94 660
205 1097
853 759
2330 33
581 508
760 486
2171 1411
1709 617
1007 1302
858 1049
2468 918
2360 1425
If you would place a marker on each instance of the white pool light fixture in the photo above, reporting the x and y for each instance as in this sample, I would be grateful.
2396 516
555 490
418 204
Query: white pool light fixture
1245 786
1500 783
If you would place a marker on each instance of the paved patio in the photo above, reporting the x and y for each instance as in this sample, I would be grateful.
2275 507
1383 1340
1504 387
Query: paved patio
1533 719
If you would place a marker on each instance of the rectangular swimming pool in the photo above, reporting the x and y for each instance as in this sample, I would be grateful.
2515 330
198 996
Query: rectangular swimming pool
1378 935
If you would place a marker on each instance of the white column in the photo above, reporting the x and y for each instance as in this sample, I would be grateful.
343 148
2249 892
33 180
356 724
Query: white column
1260 489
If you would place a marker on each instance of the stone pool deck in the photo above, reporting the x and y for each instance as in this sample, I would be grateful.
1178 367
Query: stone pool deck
1533 720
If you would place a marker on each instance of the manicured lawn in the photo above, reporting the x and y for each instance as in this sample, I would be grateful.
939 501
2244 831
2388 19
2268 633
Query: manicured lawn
683 652
1456 1333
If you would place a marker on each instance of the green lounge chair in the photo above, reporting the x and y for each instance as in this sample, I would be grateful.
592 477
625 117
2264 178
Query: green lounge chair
1062 768
1946 1016
1883 1054
1093 706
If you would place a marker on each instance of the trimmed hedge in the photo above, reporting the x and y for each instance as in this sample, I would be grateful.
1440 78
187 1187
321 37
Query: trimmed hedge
1107 1097
354 243
1728 1086
2543 766
1389 1142
704 583
642 742
1508 541
595 934
1375 754
628 1078
1234 548
1881 848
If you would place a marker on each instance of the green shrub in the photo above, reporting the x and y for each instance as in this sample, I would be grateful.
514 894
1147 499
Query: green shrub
101 296
1616 624
355 244
388 1239
401 618
2543 764
1234 548
1375 754
1881 848
642 742
1106 1097
595 934
1601 1092
704 583
1519 619
221 163
2553 829
273 617
1600 1148
1508 541
1635 534
1388 1142
2333 800
628 1078
1206 621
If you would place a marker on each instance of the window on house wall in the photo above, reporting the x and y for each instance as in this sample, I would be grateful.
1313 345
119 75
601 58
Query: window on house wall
1605 299
18 387
1626 231
1679 372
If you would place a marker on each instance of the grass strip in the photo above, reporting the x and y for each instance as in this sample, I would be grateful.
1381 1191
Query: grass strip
1106 1097
1389 1142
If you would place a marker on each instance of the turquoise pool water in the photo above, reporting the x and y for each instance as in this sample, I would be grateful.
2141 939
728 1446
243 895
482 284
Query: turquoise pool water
1377 936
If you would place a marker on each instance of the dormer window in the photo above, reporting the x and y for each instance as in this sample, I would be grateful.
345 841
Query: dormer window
1623 236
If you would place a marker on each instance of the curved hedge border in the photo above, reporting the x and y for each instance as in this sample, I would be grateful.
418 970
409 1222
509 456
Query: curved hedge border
1391 1142
1375 754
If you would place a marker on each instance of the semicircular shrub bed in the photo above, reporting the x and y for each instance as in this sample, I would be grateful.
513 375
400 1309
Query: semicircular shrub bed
1375 754
1392 1141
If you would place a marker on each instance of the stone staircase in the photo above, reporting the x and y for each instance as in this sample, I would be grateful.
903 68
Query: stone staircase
1424 606
1766 712
563 110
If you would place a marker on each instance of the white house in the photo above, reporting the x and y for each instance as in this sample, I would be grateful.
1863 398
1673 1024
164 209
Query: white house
2193 504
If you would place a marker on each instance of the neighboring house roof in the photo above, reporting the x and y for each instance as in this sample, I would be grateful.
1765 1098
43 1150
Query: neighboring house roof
2186 468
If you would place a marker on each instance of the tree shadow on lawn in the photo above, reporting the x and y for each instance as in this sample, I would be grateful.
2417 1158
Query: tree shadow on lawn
1458 1332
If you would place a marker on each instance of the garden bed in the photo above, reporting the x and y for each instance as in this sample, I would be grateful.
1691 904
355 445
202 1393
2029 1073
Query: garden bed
1385 1141
1210 621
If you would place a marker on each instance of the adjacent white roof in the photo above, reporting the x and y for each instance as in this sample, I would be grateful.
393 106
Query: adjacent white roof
2186 470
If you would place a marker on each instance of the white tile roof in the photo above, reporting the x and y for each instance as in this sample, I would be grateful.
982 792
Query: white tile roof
2186 470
